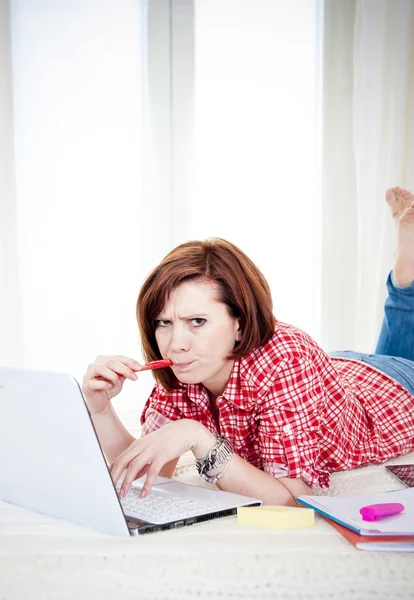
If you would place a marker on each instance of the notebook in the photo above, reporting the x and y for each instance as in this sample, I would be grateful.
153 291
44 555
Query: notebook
52 463
345 511
380 543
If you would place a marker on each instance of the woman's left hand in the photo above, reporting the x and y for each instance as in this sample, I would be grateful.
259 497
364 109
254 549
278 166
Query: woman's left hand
147 455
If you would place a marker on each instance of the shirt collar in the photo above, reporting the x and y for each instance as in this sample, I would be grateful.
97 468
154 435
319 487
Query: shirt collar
238 391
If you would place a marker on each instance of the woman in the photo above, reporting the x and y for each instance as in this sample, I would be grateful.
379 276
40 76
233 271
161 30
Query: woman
266 412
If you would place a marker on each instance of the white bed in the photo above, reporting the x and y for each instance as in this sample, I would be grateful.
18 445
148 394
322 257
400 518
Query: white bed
43 558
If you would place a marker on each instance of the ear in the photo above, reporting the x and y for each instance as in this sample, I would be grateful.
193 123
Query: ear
238 331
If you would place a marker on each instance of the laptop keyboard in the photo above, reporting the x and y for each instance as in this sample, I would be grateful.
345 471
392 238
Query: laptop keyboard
160 507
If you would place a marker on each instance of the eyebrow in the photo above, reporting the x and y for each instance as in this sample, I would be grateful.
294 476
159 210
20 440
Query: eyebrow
186 318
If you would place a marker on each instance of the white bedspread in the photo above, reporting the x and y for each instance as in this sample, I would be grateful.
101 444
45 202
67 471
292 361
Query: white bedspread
44 558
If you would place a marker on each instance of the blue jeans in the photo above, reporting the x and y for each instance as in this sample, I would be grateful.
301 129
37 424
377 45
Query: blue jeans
394 354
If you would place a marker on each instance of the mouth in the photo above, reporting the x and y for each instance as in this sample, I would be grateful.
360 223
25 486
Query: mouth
182 366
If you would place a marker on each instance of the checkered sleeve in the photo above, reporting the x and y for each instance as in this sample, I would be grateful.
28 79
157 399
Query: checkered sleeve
289 425
159 409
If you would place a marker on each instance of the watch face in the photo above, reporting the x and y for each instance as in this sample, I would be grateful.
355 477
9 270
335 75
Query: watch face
405 473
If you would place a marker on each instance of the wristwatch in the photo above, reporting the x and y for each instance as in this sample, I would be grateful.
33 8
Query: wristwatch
218 456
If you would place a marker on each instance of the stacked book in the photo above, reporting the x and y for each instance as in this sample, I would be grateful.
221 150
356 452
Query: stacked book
394 532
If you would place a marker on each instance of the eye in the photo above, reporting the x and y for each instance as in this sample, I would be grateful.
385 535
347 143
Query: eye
198 322
162 323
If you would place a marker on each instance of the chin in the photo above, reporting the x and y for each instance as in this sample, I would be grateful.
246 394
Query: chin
187 378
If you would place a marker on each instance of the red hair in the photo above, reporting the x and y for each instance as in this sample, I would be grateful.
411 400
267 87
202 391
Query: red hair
240 285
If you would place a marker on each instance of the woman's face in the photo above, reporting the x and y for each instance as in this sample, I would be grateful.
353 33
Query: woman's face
196 332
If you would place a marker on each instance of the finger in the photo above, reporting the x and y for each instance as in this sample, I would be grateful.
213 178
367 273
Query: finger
152 475
133 449
116 469
130 362
138 475
121 463
106 373
142 472
134 467
121 369
99 384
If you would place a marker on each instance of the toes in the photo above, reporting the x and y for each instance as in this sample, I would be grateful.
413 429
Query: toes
406 196
390 196
407 215
399 200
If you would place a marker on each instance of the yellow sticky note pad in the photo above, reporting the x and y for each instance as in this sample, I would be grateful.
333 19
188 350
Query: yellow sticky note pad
275 517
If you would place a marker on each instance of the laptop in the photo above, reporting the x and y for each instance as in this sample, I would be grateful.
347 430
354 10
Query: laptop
404 473
52 463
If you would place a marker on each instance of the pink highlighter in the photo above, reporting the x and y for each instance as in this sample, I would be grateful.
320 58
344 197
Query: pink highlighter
375 512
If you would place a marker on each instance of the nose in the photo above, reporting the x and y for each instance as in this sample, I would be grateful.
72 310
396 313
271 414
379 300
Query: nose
180 339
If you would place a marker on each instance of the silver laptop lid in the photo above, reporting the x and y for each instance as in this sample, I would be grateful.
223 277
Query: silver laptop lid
42 466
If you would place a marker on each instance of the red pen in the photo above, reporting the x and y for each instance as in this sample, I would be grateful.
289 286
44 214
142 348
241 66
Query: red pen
156 364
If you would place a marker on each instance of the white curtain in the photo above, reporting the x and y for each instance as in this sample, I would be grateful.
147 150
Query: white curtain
368 147
233 148
11 343
78 87
240 89
256 136
94 83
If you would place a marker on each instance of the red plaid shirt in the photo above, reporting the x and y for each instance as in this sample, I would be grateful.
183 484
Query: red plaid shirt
292 411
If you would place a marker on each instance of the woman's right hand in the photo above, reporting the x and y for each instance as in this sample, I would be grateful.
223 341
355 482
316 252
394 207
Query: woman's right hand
104 379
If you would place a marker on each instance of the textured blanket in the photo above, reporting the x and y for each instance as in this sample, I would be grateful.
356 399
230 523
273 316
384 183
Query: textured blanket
44 558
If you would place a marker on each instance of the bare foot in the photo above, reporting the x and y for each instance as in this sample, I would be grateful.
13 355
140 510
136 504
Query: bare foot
404 258
399 200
